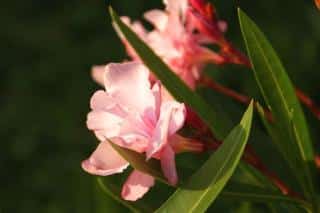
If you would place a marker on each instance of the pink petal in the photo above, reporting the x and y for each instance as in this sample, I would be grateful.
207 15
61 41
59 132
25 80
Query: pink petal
106 123
129 84
97 73
178 116
137 144
138 28
136 186
163 45
176 6
157 93
135 125
172 117
165 95
104 161
101 101
168 165
188 78
158 18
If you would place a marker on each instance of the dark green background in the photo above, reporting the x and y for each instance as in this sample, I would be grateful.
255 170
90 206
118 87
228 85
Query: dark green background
47 49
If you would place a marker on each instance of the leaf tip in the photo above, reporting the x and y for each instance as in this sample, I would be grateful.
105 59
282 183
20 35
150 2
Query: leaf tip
241 16
251 105
247 118
240 12
111 12
259 108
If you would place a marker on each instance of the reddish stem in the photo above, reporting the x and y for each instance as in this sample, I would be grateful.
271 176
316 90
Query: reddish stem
231 93
233 55
204 17
308 102
251 158
317 161
237 57
246 100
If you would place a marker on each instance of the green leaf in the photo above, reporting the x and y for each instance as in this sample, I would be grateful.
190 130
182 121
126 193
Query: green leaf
289 122
203 187
171 81
246 192
103 200
139 162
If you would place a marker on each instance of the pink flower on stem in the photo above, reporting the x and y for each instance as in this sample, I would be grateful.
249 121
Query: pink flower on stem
133 115
180 34
174 40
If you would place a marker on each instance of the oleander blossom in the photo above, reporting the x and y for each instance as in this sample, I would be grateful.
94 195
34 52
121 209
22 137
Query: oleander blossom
175 40
132 114
180 37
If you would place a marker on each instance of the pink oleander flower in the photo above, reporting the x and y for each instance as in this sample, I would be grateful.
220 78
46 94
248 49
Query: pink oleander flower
180 34
174 40
133 115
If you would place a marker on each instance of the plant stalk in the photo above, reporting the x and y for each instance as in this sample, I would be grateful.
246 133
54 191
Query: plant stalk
252 159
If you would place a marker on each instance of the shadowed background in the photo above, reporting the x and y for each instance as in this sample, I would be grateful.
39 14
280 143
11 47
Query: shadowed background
47 50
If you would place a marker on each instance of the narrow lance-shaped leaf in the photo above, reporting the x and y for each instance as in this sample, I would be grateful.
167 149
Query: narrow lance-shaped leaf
278 92
171 81
203 187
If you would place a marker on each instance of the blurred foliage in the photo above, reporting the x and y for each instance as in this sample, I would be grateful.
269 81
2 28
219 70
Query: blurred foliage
48 48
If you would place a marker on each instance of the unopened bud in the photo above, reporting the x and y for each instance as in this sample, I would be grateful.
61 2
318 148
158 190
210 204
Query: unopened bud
181 144
317 161
317 3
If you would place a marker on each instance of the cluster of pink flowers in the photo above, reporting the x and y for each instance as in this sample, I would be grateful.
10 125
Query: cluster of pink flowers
135 111
180 35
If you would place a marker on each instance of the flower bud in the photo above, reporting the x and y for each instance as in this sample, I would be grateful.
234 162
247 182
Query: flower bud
317 3
181 144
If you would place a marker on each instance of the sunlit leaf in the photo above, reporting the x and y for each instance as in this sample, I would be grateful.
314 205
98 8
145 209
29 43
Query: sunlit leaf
197 194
